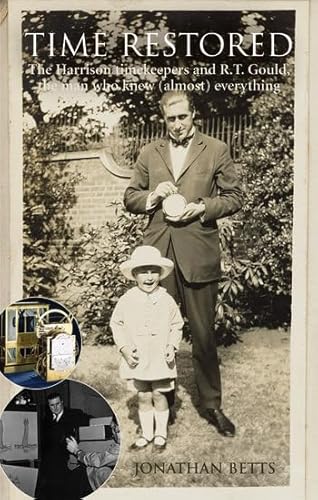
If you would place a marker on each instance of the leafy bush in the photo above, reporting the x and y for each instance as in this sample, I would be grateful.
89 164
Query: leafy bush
267 167
94 272
98 282
241 277
49 193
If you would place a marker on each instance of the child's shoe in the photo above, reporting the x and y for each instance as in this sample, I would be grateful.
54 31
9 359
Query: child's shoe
141 443
159 443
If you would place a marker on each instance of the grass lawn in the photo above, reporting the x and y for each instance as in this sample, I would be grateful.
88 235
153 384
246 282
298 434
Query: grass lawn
255 377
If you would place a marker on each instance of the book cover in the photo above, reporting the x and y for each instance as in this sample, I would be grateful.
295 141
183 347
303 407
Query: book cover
84 85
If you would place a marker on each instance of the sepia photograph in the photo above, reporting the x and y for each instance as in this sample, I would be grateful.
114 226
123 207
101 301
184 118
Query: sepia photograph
162 172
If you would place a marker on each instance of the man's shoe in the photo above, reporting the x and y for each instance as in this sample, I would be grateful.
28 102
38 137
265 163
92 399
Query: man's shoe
223 425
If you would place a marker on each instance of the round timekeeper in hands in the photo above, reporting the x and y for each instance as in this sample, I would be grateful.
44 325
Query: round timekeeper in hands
174 205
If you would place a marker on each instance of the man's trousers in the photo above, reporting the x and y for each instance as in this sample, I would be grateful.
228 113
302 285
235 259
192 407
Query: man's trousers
198 301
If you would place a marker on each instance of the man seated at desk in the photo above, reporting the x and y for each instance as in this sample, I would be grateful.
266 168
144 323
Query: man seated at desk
99 465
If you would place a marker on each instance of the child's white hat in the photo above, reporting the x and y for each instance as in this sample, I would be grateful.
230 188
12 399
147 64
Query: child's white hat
146 256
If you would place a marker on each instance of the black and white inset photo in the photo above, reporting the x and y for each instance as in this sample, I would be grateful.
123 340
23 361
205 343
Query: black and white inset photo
59 443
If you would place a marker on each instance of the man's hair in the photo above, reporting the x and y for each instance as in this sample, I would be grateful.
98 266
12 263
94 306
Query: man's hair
173 96
54 395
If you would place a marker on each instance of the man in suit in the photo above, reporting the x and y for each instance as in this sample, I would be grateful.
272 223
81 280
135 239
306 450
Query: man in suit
55 479
200 168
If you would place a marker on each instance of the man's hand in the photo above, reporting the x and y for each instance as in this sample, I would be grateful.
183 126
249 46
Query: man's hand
191 212
131 355
71 445
169 353
163 190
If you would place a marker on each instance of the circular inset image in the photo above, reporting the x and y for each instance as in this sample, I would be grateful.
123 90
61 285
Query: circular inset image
40 342
59 444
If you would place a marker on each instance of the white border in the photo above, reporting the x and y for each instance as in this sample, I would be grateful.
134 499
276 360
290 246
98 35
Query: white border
312 349
298 346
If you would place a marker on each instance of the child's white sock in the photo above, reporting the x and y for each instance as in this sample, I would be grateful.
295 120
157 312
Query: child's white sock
161 423
146 422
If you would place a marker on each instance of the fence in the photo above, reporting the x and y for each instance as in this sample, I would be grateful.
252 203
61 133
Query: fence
125 141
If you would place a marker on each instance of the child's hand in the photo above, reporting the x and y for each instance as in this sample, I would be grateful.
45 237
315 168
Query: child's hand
131 355
169 353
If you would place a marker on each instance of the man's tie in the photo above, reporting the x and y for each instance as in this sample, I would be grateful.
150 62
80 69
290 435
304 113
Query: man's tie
184 143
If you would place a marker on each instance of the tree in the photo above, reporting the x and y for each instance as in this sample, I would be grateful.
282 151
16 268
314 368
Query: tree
141 103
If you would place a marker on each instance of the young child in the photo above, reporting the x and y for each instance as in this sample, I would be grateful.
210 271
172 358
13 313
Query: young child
147 328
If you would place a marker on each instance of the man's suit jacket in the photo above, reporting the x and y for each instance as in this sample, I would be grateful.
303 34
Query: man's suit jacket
208 174
53 434
54 475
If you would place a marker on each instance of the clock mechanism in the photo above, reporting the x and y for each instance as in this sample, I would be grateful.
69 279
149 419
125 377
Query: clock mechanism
57 346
